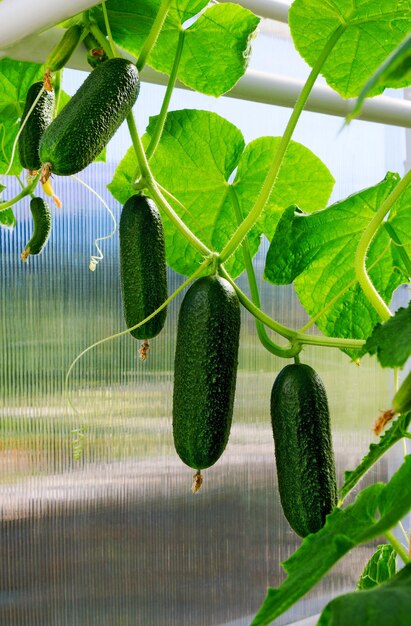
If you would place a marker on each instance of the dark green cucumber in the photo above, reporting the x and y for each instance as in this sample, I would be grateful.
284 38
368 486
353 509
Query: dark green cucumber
205 371
41 214
143 272
303 448
88 121
402 399
34 127
59 56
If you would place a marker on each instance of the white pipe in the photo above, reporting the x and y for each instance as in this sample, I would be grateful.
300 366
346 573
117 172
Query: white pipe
20 18
271 9
254 86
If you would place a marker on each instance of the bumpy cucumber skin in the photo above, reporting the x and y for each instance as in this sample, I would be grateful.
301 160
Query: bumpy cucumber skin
205 371
63 51
402 399
143 272
41 214
88 121
40 118
303 448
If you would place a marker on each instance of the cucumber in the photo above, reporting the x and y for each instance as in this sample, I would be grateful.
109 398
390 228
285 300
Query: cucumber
34 127
402 399
41 214
303 448
205 371
59 56
88 121
143 272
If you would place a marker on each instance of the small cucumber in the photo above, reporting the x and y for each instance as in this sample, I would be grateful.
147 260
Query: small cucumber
402 399
35 125
41 214
88 121
303 448
143 272
205 371
59 56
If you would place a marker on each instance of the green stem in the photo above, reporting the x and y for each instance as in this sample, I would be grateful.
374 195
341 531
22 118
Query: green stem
255 296
154 33
164 107
189 280
368 288
270 179
96 32
24 192
401 250
398 547
114 52
156 193
292 335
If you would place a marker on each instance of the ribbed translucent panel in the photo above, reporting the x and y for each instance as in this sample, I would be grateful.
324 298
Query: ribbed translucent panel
116 537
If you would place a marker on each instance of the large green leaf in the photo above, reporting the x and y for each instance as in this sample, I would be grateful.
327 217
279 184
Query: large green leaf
377 509
371 31
196 158
317 252
15 79
396 432
386 605
216 45
395 72
380 567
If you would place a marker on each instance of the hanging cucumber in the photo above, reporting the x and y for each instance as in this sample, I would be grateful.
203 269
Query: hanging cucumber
34 127
303 448
85 125
59 56
205 371
143 273
41 214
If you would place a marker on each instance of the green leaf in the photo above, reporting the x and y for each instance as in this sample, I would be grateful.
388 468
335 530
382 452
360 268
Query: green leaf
394 72
396 432
317 252
216 45
391 341
216 49
196 158
372 30
7 219
380 568
386 605
376 510
15 79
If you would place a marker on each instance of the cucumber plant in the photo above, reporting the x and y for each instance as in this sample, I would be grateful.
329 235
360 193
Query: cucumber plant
217 197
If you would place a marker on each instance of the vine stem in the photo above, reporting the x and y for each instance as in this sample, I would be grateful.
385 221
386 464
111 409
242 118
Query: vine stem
272 174
154 33
25 192
398 547
268 344
368 288
108 29
190 279
156 193
164 107
292 335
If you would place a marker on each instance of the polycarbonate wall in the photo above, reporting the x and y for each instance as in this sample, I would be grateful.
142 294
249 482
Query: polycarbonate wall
116 538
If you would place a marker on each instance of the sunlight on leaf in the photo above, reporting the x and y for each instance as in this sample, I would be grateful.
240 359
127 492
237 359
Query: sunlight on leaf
372 30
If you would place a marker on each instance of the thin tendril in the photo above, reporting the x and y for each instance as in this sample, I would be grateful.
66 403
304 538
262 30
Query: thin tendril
94 259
